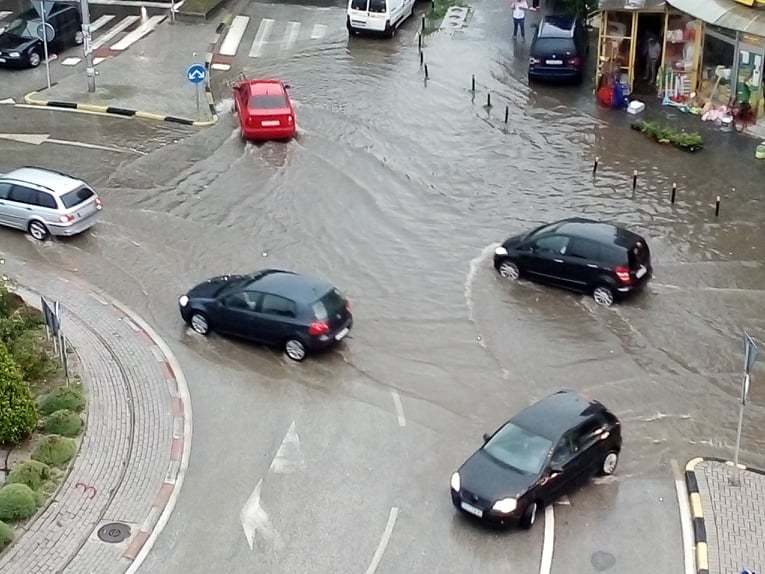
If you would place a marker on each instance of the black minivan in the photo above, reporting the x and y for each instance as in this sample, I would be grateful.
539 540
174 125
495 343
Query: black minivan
579 254
559 49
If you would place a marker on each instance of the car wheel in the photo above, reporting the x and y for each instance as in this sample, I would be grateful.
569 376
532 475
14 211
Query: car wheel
38 230
200 324
509 270
609 463
34 59
529 515
78 38
603 295
295 349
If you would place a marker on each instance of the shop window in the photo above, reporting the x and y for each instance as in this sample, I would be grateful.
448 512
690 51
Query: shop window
682 44
717 76
616 44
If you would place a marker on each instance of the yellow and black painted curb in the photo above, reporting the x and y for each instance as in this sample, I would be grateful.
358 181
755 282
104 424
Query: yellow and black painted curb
697 512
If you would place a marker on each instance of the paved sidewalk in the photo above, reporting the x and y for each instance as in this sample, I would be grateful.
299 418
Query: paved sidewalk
728 509
136 446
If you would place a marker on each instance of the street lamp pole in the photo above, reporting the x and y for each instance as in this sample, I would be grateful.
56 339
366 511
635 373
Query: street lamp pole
90 69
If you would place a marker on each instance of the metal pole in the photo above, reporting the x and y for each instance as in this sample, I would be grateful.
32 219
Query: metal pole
90 70
45 43
172 12
744 388
197 86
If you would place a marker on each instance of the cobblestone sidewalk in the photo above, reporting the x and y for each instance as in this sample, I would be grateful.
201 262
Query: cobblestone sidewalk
136 445
728 511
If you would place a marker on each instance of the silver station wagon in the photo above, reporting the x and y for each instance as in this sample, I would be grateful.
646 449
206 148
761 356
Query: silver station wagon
44 202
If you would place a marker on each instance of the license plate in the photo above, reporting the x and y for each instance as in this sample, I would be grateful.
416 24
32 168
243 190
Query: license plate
640 272
341 335
554 62
270 123
470 509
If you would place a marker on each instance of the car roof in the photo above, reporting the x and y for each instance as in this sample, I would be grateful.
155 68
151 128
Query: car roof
557 26
56 7
56 182
289 284
553 416
599 231
265 87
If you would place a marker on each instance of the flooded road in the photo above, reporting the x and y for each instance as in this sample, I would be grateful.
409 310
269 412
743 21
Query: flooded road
397 190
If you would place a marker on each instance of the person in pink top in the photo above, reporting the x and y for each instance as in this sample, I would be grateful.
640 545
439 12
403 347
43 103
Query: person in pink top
519 17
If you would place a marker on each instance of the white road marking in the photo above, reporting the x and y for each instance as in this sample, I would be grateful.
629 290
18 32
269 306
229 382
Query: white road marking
8 101
399 409
71 61
98 298
124 24
318 32
32 139
563 501
143 30
545 565
290 35
101 22
4 14
383 541
288 458
97 61
221 67
234 36
685 518
39 139
255 520
135 3
261 37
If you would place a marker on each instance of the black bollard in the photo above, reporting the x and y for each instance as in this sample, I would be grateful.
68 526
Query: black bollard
507 113
717 207
634 180
423 23
595 166
674 191
421 57
419 41
426 71
472 84
433 5
488 100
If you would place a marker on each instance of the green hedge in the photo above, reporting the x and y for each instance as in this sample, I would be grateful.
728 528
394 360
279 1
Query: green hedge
63 422
54 450
32 473
17 502
18 415
70 398
6 535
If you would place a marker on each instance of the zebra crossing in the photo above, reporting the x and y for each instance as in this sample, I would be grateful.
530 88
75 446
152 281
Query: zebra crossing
271 35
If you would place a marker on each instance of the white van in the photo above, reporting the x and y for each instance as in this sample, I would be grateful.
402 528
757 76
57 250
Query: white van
378 16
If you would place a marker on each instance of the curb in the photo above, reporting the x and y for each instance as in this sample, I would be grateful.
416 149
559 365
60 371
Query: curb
697 512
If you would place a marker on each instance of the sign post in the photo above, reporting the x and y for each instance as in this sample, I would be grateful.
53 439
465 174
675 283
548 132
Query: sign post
196 74
46 33
750 356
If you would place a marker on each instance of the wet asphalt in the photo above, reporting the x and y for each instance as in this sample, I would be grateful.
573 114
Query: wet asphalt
397 190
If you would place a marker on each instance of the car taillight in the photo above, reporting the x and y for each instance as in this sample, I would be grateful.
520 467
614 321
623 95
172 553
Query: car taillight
533 60
623 274
387 24
66 218
289 119
318 328
99 204
574 61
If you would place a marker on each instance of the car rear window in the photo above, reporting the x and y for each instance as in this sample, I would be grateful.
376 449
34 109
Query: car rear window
268 102
377 6
359 5
76 197
332 302
546 46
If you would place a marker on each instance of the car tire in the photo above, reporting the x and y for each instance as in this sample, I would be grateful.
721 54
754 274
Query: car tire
509 269
200 323
295 349
38 230
529 516
610 461
603 295
34 59
78 38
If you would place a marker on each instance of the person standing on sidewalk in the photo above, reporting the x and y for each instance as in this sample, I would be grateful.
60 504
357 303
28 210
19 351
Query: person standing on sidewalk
519 18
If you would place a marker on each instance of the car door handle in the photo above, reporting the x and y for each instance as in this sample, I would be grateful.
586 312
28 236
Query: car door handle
592 265
558 260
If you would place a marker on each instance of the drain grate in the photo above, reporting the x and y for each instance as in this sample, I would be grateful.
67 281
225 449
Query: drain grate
114 532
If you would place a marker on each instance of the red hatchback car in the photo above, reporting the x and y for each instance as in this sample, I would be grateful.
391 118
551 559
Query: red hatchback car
265 111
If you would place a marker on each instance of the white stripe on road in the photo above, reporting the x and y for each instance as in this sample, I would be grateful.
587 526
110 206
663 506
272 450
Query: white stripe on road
290 35
685 518
234 36
125 23
97 61
101 22
319 30
383 541
399 409
4 14
545 565
221 67
142 30
71 61
261 37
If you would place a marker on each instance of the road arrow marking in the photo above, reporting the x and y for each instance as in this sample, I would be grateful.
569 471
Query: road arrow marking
32 139
8 101
38 139
255 520
288 458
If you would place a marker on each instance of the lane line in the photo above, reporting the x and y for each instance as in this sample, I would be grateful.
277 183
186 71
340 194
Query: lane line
125 23
234 36
685 517
290 35
399 409
383 541
143 30
94 146
318 32
101 22
264 30
545 565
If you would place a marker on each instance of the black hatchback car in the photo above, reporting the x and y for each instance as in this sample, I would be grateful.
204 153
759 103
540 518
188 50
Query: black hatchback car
559 49
539 455
20 45
277 308
579 254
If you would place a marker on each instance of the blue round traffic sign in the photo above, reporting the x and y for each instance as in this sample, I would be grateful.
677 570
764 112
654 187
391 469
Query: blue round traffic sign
45 32
196 73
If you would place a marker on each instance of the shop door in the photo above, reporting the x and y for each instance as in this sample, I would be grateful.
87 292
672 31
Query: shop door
748 80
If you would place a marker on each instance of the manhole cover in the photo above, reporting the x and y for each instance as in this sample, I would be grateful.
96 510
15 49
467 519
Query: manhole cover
114 532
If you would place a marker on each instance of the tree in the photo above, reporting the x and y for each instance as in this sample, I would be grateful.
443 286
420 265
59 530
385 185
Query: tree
18 413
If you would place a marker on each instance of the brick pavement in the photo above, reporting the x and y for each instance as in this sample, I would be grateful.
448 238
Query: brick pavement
728 510
136 445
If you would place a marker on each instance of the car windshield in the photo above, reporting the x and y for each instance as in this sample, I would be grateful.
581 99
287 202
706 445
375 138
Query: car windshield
268 102
77 197
333 302
24 28
518 448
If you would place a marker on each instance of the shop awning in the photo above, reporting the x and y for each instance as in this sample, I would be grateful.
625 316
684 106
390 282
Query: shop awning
631 4
724 13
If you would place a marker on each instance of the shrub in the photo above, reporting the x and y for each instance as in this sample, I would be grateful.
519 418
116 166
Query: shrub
18 415
31 472
70 398
32 359
6 535
17 502
54 450
63 422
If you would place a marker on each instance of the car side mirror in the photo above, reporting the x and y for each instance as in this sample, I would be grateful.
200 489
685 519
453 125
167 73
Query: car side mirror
486 437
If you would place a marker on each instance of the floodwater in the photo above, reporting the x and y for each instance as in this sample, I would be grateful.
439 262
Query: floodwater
397 190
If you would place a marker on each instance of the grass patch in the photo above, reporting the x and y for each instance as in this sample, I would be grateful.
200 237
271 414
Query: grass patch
71 398
63 422
17 502
199 6
6 535
438 8
55 450
32 473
